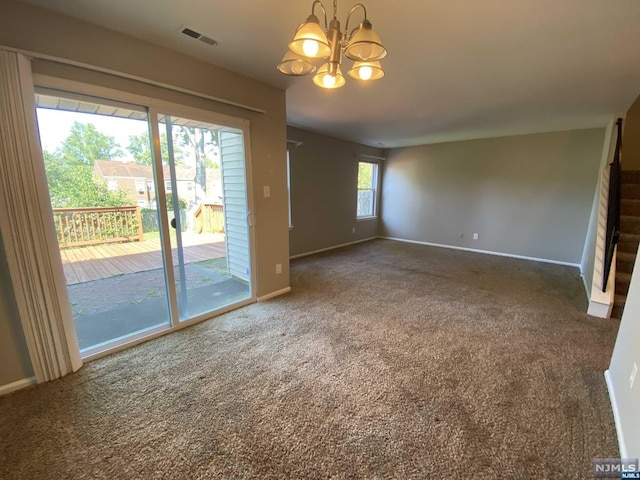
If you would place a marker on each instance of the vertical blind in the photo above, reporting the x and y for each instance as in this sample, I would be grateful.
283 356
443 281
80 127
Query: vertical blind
26 225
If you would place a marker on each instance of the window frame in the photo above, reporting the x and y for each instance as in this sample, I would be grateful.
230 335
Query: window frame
375 179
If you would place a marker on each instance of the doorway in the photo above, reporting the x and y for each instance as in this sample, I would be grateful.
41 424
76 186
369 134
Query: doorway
151 213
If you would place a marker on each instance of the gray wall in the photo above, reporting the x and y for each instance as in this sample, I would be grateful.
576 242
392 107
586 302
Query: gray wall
528 195
15 364
625 353
34 29
324 178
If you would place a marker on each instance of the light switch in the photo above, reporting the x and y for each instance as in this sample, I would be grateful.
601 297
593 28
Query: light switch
267 191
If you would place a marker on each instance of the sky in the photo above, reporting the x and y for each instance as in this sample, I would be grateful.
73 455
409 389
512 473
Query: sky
55 126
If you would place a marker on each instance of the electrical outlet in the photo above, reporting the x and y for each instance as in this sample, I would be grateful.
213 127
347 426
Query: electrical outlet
461 235
475 236
353 230
632 378
278 268
267 191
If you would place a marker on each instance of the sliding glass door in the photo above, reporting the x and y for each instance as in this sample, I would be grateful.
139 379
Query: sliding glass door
205 182
151 214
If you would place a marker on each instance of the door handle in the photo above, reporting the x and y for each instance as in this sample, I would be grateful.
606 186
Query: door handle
173 222
250 219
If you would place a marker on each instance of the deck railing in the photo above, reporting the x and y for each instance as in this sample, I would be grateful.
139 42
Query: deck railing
209 218
95 225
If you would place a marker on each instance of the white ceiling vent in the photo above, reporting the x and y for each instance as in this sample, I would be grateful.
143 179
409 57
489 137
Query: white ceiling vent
189 32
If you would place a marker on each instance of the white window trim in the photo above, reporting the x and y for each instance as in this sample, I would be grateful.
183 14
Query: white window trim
376 190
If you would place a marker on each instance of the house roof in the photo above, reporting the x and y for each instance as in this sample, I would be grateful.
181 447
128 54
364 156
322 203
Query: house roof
112 168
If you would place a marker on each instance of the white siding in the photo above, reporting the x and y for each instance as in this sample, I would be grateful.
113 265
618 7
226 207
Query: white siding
234 189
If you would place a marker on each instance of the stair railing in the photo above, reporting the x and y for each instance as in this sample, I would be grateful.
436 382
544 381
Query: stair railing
613 207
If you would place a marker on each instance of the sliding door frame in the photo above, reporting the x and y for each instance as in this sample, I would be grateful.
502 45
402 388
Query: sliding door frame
156 107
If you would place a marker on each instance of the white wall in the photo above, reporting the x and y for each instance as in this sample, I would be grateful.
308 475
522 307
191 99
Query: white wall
526 195
626 400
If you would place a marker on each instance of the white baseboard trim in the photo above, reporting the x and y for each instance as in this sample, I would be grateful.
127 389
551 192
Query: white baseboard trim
274 294
331 248
20 384
599 310
584 282
616 415
487 252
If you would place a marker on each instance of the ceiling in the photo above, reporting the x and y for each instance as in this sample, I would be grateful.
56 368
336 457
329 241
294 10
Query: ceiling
456 69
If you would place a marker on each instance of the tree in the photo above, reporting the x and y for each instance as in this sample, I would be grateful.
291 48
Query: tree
70 170
365 175
201 141
85 144
140 148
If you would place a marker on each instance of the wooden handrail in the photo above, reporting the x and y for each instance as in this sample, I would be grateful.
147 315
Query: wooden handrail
613 208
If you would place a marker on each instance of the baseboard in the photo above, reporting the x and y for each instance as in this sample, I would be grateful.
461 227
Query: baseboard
584 282
616 415
331 248
487 252
599 310
274 294
20 384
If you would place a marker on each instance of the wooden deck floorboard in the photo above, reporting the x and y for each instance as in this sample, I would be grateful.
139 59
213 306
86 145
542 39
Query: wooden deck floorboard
97 262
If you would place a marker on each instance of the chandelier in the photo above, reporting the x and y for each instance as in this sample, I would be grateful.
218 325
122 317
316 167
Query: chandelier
311 43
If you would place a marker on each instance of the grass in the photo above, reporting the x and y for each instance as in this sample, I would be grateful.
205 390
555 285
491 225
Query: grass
215 264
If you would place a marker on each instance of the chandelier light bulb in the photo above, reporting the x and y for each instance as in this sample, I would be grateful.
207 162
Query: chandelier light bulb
310 48
328 80
329 42
365 73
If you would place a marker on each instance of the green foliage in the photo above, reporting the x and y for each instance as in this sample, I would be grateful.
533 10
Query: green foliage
182 204
365 175
140 148
85 144
210 163
70 170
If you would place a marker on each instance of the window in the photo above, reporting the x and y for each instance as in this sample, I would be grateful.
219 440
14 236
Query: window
112 185
367 186
142 203
150 185
190 186
140 186
167 186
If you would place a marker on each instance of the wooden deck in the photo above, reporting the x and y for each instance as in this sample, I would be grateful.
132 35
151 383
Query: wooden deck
85 264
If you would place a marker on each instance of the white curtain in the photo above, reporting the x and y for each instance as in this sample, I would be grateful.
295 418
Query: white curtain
26 224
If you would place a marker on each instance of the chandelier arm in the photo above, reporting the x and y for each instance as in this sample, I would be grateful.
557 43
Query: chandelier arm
313 7
347 36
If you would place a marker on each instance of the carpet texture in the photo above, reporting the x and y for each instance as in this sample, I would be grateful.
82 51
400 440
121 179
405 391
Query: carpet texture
387 360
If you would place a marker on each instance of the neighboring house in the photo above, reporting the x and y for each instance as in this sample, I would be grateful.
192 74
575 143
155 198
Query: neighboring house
138 183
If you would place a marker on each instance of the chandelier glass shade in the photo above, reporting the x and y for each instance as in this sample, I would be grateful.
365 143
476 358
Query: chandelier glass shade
311 43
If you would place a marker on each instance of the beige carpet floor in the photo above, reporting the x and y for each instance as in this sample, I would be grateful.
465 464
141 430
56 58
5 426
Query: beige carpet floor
388 360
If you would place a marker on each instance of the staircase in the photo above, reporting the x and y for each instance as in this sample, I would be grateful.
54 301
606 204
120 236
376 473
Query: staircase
629 237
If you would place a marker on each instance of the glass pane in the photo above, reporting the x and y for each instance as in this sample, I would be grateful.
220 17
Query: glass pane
365 175
365 203
98 164
210 235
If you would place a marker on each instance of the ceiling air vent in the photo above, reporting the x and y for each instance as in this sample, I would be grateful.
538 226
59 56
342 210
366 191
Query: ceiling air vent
198 36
